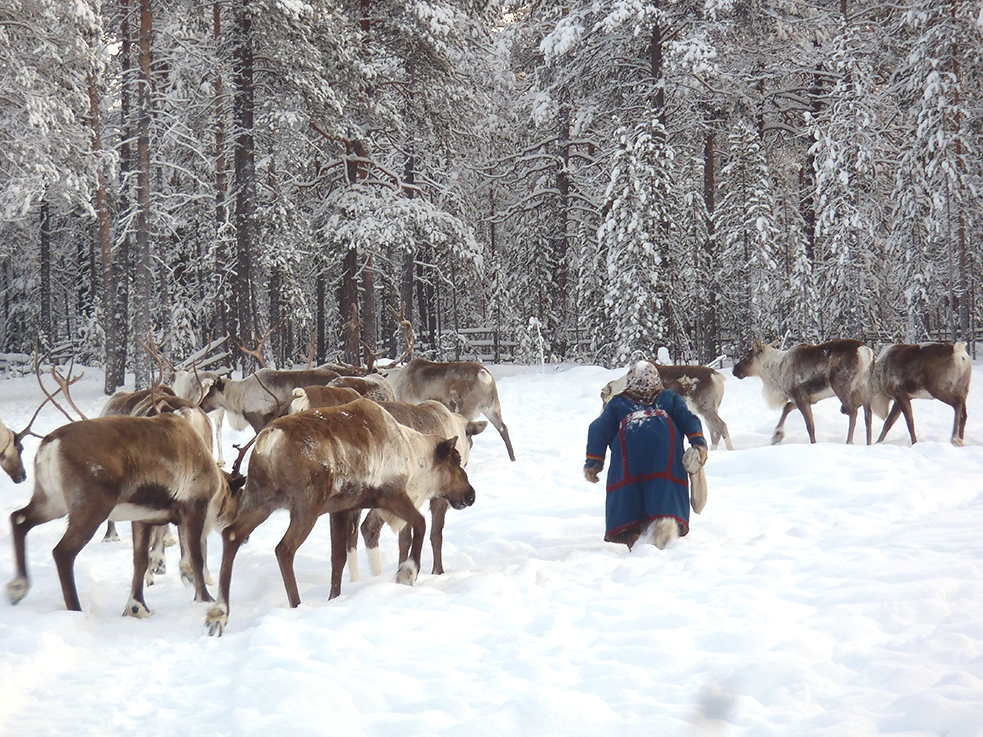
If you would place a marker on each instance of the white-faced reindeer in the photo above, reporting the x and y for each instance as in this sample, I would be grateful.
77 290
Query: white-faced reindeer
805 374
11 452
150 470
192 386
334 461
430 418
701 387
465 387
927 371
257 399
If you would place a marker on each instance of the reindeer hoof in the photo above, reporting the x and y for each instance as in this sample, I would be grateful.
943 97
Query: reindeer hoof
216 620
204 597
958 442
407 573
111 537
136 609
777 438
158 566
17 590
148 578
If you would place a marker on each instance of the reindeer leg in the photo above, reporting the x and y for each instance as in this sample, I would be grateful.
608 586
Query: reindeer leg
185 566
341 524
80 531
402 507
438 512
21 522
352 547
852 414
371 530
959 423
136 606
779 433
868 419
889 421
495 417
191 528
908 417
158 561
718 430
301 524
806 409
232 538
111 535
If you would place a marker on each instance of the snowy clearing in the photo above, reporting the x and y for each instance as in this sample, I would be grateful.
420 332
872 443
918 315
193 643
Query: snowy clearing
825 590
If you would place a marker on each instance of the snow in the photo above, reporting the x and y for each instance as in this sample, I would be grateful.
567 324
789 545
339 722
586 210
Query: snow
825 590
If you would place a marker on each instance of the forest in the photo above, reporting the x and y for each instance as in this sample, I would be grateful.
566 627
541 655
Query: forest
585 180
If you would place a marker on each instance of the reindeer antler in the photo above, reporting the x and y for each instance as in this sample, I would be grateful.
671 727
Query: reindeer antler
242 454
370 356
258 352
409 339
63 385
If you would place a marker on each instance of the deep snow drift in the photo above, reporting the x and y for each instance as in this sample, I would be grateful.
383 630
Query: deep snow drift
825 590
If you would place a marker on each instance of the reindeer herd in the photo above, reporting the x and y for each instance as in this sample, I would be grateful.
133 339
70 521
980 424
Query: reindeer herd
336 440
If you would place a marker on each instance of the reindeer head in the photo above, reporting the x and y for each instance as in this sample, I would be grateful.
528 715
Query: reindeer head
225 504
211 390
452 478
748 365
11 452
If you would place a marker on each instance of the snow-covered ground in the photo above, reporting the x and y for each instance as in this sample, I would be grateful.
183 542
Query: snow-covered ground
825 590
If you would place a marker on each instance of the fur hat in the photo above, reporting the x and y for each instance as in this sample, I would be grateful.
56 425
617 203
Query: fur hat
644 383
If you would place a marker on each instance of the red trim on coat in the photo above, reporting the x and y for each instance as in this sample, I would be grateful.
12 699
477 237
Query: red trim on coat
667 474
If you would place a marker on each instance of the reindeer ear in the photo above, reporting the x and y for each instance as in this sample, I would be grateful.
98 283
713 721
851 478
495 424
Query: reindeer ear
446 449
475 428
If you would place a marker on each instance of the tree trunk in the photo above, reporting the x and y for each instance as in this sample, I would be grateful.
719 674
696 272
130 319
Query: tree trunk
143 283
45 276
370 335
104 239
244 327
711 334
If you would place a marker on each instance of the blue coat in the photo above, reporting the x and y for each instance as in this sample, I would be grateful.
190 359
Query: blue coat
646 479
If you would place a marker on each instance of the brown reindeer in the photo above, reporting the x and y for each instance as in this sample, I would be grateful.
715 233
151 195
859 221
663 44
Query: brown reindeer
334 461
701 387
150 470
928 371
805 374
465 387
315 397
257 399
148 403
431 418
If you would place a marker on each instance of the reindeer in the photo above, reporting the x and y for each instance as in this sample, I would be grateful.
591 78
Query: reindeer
192 386
257 399
150 470
927 371
334 461
373 386
701 387
315 397
465 387
431 418
148 403
805 374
